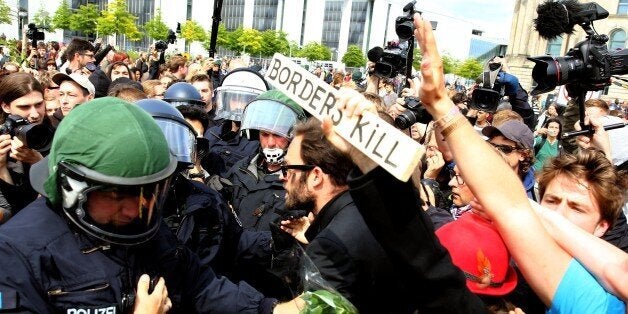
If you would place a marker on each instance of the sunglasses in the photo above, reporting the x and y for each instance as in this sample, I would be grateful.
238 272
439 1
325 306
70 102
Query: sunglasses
53 87
284 169
506 149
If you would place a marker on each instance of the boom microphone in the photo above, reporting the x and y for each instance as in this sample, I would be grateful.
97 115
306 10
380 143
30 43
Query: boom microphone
375 54
559 17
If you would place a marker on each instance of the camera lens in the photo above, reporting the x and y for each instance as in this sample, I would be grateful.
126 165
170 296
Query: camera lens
404 30
384 69
35 136
548 72
405 119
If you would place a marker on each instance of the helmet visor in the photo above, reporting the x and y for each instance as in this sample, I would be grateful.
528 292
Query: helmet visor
181 140
230 103
270 116
118 214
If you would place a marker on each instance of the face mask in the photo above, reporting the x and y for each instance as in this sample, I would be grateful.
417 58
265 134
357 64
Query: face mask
274 155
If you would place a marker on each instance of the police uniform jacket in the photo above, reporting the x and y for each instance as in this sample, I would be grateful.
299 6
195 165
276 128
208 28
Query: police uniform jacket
47 267
226 148
256 197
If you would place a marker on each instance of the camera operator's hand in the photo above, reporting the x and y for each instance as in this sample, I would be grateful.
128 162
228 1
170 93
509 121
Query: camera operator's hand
24 154
412 90
156 302
541 131
5 147
372 83
599 139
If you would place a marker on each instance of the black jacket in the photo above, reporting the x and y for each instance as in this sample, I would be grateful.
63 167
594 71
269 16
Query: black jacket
407 235
349 258
226 148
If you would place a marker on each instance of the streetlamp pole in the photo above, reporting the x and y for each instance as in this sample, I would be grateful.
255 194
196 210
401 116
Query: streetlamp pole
21 14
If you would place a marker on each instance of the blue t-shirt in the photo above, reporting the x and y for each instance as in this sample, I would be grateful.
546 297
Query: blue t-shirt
579 292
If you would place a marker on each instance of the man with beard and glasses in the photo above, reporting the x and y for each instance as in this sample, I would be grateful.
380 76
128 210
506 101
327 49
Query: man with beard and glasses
339 242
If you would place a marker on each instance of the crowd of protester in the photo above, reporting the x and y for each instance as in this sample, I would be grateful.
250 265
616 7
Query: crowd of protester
191 185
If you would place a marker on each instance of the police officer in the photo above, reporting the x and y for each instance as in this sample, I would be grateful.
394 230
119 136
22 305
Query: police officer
98 228
238 88
257 191
183 94
197 214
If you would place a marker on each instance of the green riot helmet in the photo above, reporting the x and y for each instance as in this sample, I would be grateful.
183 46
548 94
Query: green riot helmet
108 171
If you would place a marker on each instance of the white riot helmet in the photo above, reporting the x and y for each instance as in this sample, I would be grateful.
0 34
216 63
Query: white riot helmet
238 88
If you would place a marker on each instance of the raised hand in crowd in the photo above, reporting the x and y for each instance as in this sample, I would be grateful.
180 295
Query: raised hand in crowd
298 227
153 302
435 162
5 147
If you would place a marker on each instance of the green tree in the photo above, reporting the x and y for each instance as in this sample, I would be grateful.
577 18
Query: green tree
84 19
192 31
117 20
418 57
223 37
354 57
293 49
450 64
250 41
61 18
274 41
156 28
43 18
315 51
232 39
5 13
470 68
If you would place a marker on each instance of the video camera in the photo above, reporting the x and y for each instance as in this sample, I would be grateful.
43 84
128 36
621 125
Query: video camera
163 45
35 136
486 98
34 34
396 57
586 67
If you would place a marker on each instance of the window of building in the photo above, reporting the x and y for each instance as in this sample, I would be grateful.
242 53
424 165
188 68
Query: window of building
265 14
617 40
358 22
331 23
553 46
233 13
622 7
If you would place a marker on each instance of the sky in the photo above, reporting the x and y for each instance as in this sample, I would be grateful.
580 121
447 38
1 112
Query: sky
492 16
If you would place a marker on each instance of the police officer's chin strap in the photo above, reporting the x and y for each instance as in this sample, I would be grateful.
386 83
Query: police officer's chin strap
274 156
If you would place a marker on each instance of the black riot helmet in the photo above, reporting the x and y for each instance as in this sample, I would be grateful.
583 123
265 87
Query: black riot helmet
183 94
179 133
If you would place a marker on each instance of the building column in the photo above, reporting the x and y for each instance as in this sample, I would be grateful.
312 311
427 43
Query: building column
345 22
248 13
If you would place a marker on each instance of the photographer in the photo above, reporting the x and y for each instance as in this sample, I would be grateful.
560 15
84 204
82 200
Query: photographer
23 97
509 86
156 58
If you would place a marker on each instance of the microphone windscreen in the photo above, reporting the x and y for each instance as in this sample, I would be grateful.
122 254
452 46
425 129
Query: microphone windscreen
375 54
555 18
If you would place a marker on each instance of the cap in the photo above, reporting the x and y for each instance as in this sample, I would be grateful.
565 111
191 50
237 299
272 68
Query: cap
80 79
478 250
513 130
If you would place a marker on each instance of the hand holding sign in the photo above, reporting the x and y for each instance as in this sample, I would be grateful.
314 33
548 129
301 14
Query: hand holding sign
350 103
381 142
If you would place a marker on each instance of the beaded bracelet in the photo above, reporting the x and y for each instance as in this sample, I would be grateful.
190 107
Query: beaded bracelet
458 121
443 121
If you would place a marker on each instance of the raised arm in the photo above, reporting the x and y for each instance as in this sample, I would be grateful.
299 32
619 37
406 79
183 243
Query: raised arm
541 260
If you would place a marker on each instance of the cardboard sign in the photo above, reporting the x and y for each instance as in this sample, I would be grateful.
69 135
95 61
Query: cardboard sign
383 143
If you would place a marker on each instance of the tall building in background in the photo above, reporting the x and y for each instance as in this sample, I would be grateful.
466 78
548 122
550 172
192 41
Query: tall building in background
334 23
525 42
